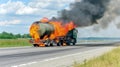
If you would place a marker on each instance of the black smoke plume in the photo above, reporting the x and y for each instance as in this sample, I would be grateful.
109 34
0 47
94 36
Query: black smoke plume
85 12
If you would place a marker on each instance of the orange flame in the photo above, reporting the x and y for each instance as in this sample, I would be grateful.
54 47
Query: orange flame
61 29
34 32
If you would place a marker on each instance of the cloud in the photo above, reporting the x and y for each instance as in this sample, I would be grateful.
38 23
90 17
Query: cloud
10 22
17 7
2 11
26 10
33 7
10 7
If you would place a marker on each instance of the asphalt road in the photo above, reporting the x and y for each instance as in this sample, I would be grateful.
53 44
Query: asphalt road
10 57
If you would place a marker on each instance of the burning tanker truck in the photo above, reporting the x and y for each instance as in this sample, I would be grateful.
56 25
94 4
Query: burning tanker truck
50 33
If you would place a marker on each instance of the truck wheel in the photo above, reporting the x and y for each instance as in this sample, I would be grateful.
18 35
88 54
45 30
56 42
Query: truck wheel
74 43
35 45
68 44
51 44
58 44
46 45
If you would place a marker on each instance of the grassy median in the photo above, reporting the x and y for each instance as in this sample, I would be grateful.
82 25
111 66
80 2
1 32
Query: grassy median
14 42
110 59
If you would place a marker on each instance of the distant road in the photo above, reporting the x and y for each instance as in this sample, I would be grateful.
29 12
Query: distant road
22 56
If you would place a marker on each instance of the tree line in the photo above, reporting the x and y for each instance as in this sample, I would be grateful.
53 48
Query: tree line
6 35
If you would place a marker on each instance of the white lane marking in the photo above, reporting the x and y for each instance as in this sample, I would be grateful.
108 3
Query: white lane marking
24 64
45 60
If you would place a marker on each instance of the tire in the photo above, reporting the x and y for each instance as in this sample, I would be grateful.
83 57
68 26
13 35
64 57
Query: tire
74 43
46 45
58 44
35 45
68 44
51 44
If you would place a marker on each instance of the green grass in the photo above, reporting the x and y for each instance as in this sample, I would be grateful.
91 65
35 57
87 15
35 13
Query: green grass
14 42
110 59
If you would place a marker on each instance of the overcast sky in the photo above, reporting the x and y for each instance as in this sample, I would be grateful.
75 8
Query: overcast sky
17 15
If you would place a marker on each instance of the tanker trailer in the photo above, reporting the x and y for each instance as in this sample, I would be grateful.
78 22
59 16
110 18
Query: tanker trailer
52 33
